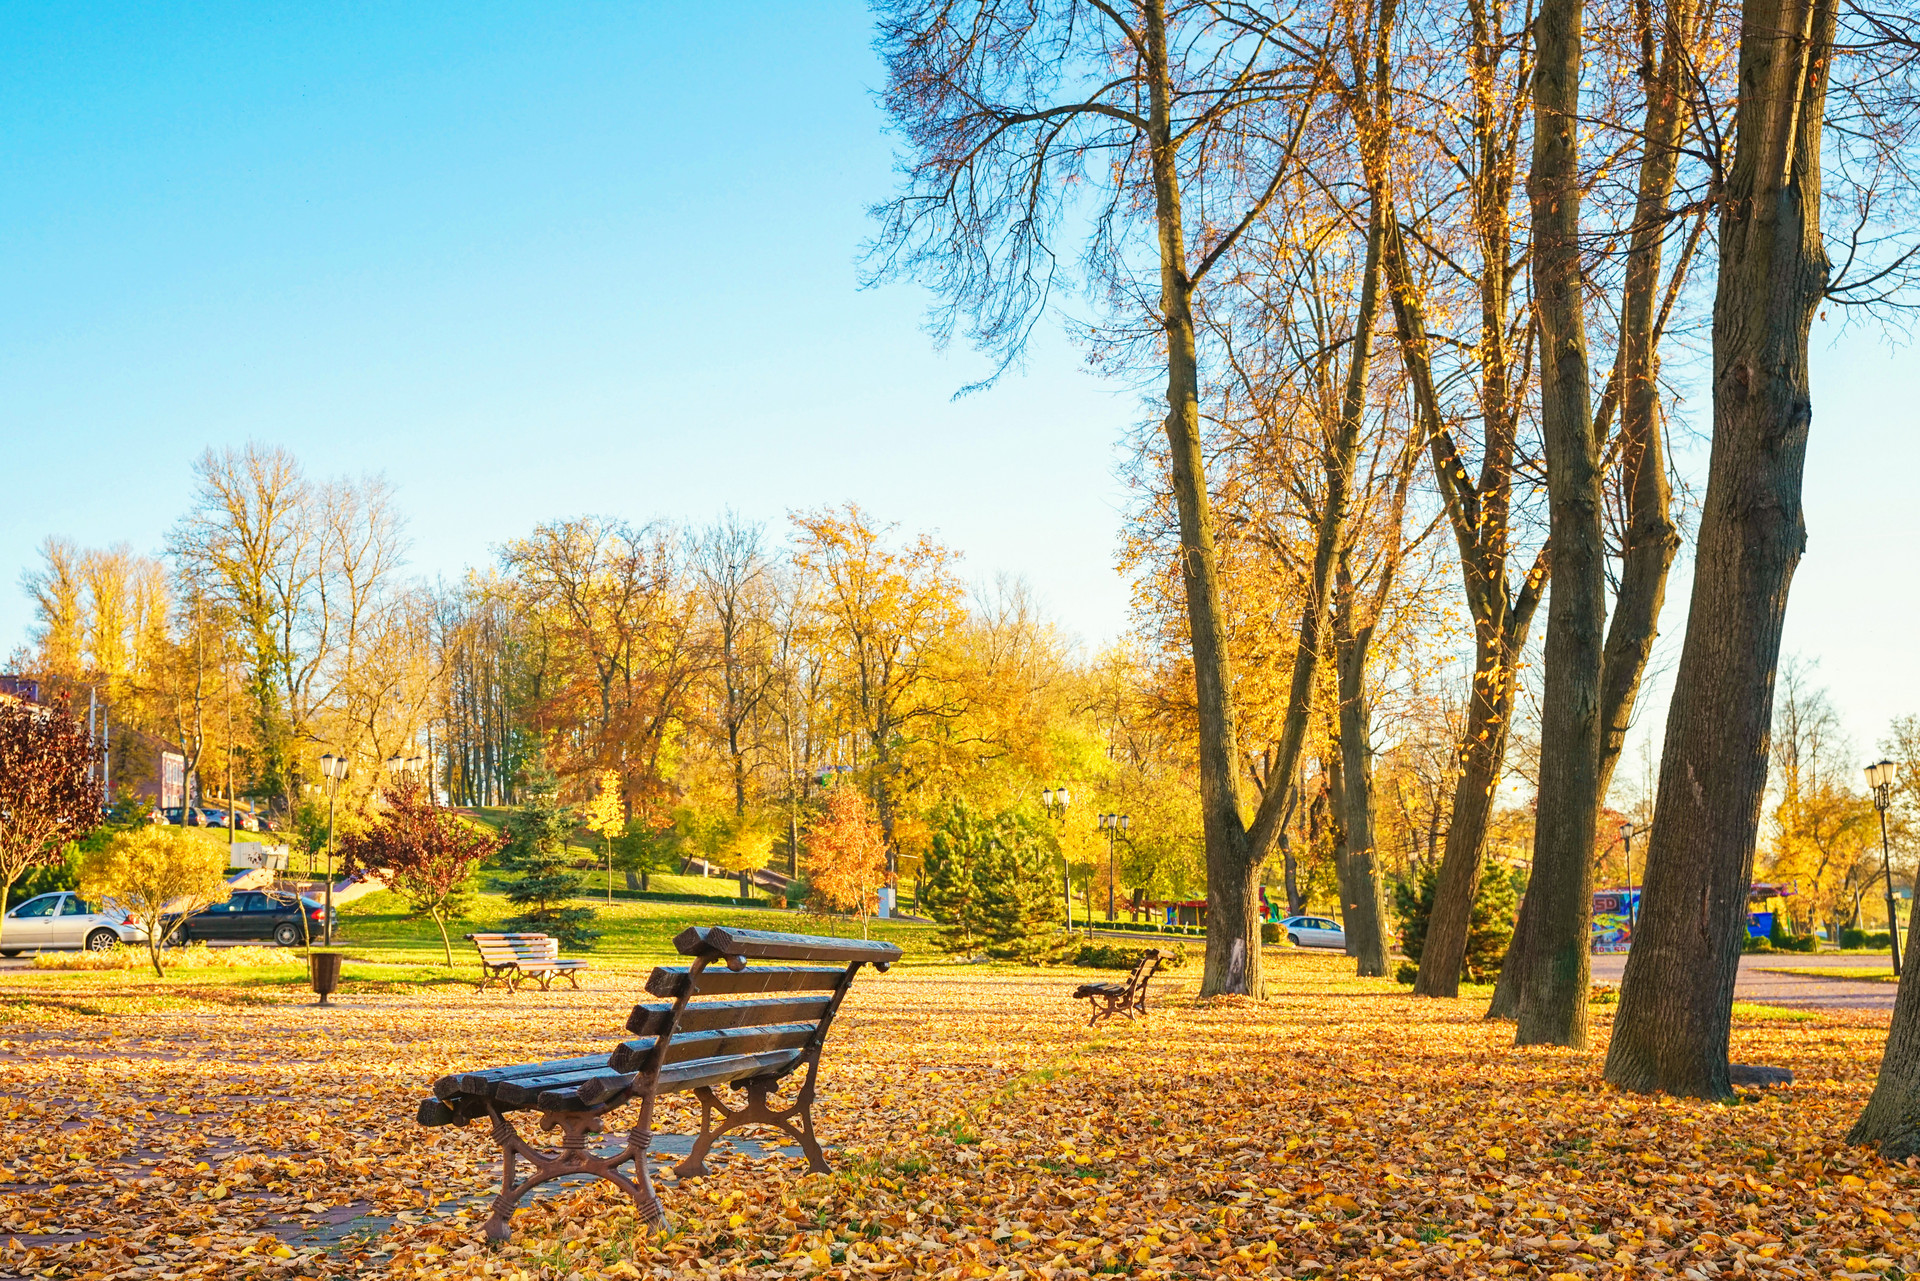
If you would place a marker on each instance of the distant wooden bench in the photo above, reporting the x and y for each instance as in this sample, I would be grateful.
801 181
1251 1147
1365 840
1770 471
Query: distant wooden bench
678 1046
1129 998
507 958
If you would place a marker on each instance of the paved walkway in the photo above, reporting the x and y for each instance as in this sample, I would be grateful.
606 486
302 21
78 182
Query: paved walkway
1793 990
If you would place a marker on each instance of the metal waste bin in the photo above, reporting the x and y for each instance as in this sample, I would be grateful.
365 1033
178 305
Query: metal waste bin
324 969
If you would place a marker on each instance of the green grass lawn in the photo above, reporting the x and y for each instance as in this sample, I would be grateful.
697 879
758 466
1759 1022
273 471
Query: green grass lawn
1857 974
634 934
1750 1012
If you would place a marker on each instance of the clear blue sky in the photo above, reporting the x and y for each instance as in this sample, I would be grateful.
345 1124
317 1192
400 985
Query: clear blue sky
538 260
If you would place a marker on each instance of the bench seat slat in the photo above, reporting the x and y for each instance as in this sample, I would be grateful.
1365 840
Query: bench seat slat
443 1112
588 1094
688 1076
724 940
668 980
705 1045
652 1018
481 1083
524 1090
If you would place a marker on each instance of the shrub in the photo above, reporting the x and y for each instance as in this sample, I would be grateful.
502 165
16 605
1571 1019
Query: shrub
1269 933
1109 956
1408 973
194 956
1853 940
161 875
1800 943
1489 928
1757 943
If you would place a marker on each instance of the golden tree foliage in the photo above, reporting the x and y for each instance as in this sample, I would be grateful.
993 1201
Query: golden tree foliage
846 852
160 875
606 817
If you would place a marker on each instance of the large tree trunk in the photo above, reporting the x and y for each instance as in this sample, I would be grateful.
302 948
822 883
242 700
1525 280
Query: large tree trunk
1501 620
1233 926
1651 537
1485 747
1676 999
1891 1121
1337 847
1364 906
1553 996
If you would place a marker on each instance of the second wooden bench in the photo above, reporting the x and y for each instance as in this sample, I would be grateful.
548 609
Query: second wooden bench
507 958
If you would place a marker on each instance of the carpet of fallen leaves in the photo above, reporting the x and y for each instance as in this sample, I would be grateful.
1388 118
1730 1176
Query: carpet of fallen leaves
978 1129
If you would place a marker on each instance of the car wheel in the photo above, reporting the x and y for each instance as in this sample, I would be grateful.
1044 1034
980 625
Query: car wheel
180 938
1293 938
101 940
285 935
9 952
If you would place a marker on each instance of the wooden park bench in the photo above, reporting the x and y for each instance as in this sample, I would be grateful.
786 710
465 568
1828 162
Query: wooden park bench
1129 998
680 1044
507 958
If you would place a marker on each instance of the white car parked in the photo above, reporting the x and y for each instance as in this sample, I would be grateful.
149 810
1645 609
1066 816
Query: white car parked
1314 931
63 919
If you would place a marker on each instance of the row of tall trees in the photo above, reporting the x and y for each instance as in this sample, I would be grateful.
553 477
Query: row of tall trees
1349 235
697 689
275 626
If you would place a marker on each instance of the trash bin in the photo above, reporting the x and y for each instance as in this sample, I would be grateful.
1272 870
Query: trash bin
324 969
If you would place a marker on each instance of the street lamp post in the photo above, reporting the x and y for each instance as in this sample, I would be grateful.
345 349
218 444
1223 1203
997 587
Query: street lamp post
335 770
1627 832
1880 779
1112 825
402 767
1054 800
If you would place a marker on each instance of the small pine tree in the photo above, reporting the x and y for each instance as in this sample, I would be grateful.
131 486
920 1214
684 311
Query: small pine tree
1413 904
960 837
536 848
1489 927
1013 887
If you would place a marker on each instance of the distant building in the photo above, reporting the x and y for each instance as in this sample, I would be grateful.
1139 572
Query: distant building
137 764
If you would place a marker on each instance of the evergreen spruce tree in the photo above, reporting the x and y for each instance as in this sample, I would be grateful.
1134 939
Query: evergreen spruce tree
1489 928
961 835
546 884
1013 887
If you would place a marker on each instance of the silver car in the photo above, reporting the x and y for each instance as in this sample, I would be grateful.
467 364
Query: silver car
1314 931
63 919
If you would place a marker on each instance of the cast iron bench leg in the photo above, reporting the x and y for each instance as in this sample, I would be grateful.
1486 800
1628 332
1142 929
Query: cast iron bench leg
757 1111
574 1157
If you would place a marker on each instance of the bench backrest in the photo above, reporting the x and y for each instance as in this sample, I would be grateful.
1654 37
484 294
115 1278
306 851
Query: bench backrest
1145 968
699 1032
516 949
